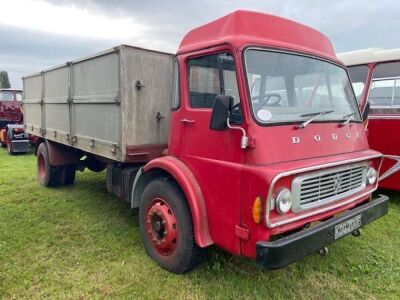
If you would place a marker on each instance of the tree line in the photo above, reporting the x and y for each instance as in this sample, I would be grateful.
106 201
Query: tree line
4 81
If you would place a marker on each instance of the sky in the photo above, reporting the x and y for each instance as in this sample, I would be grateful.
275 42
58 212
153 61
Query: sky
37 34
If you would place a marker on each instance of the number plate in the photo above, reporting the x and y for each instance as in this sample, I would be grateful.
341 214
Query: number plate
347 226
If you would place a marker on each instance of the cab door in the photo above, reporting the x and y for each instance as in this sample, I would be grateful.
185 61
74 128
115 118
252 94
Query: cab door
215 157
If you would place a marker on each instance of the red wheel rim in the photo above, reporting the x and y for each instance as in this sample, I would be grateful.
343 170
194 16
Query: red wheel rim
41 167
161 227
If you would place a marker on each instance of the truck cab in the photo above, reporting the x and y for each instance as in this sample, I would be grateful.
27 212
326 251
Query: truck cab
306 155
262 150
10 107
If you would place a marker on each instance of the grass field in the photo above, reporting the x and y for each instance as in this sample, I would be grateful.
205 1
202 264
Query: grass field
81 242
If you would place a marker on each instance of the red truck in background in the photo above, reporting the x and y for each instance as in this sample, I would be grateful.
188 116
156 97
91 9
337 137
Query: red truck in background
249 138
375 74
12 133
10 107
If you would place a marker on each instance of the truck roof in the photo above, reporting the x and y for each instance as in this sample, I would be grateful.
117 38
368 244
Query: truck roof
242 28
370 55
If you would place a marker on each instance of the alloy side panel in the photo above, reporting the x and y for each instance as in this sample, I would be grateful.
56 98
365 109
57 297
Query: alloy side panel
96 117
32 104
96 105
77 104
55 101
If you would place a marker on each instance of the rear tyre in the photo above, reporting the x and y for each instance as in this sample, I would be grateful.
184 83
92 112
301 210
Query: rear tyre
47 174
2 145
69 172
166 227
9 149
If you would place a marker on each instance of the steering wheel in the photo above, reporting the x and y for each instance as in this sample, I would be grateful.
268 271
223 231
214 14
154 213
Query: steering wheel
267 98
236 114
235 106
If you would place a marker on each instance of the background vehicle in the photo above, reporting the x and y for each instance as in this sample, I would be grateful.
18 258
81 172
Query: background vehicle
10 107
254 147
12 135
375 74
15 138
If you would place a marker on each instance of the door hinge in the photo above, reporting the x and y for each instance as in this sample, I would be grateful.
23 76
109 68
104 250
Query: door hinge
251 142
242 233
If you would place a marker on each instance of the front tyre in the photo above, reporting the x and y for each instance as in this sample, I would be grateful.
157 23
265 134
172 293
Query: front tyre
166 227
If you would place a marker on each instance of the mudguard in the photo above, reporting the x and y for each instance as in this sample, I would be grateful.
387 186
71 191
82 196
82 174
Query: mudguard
184 177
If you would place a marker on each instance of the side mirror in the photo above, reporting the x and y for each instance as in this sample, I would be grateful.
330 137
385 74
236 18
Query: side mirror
220 112
367 109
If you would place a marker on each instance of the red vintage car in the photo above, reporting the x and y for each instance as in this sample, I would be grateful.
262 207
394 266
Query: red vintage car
375 74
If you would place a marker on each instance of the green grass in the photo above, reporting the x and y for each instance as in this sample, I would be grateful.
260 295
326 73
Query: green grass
81 242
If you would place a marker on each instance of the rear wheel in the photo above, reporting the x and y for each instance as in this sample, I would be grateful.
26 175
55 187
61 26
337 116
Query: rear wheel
2 144
47 174
166 227
10 148
69 172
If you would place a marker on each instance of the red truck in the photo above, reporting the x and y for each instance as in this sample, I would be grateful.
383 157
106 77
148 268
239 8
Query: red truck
12 133
375 74
249 138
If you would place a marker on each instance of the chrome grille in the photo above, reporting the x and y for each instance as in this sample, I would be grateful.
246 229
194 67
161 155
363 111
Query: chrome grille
321 187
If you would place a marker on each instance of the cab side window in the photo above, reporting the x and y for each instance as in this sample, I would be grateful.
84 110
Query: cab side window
210 76
385 87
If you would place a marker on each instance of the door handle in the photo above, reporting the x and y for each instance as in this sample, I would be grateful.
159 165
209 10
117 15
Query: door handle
187 121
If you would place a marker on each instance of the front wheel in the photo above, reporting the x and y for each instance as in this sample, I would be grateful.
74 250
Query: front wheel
166 227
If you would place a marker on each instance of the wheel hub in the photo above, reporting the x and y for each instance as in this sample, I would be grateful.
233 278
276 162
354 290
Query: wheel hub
161 227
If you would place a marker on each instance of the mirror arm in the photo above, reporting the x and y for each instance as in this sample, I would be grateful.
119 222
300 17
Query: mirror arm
244 141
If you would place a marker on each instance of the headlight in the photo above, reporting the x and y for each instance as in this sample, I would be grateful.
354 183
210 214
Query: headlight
372 175
283 201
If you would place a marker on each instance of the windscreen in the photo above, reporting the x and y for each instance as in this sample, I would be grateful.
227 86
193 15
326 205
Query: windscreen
358 76
287 87
6 96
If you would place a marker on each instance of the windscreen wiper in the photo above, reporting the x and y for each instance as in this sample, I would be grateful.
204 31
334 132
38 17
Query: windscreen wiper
313 117
348 118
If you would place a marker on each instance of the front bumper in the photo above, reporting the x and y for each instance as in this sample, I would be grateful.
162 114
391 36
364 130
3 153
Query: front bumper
280 253
20 146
